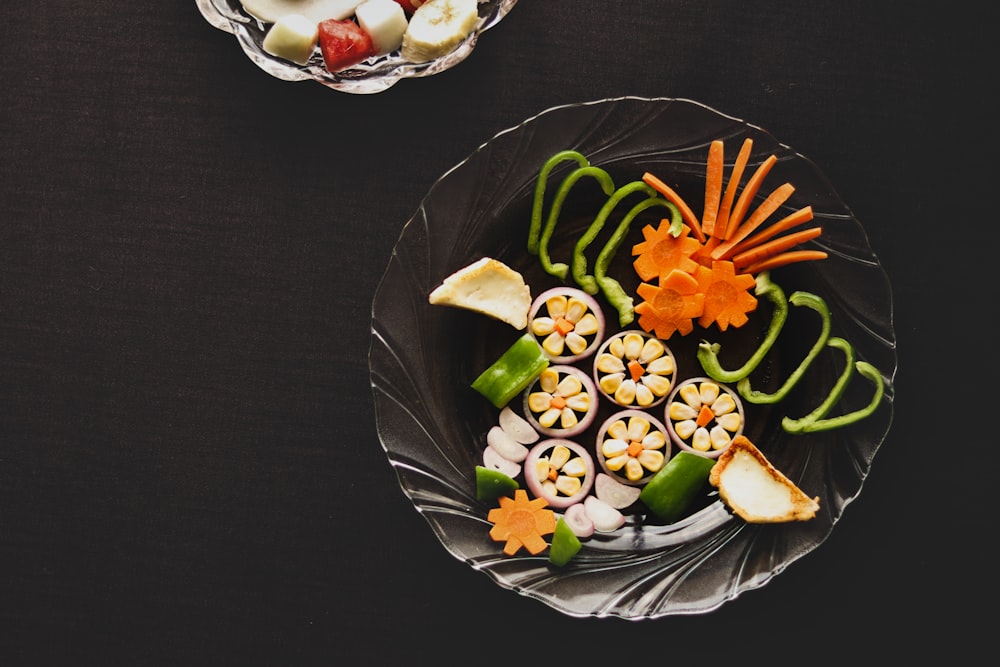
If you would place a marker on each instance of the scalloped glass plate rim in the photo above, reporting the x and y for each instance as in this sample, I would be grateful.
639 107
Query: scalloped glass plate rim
665 574
372 76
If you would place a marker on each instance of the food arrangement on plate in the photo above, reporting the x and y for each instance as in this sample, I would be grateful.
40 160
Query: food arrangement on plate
694 270
361 46
632 357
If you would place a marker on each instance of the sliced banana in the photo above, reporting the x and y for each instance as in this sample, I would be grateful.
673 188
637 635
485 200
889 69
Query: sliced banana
437 27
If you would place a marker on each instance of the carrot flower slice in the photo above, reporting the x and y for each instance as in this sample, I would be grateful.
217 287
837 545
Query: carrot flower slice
521 522
727 299
661 252
673 304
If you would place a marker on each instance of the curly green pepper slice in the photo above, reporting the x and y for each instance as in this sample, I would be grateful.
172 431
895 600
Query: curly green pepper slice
535 229
823 409
708 353
867 371
578 266
611 288
813 302
559 269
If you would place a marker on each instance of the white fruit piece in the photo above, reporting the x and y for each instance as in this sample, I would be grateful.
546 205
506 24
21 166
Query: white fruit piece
384 21
487 286
269 11
437 27
293 37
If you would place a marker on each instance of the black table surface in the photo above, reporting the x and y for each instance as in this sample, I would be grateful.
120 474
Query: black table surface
189 248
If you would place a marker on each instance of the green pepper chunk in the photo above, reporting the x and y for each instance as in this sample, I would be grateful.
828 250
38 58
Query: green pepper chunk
565 544
611 288
512 372
491 484
579 263
708 353
823 409
535 230
560 269
867 371
817 304
672 490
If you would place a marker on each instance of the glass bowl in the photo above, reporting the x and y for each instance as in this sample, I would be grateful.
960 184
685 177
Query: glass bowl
374 75
423 357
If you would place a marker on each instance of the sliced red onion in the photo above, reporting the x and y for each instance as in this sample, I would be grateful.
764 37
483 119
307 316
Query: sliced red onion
539 303
605 517
654 424
614 493
505 445
643 384
578 521
534 484
517 427
685 443
585 420
493 460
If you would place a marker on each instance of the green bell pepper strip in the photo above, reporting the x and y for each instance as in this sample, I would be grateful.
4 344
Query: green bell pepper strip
611 288
708 353
867 371
565 544
808 300
491 484
823 409
578 266
560 270
511 374
535 229
672 490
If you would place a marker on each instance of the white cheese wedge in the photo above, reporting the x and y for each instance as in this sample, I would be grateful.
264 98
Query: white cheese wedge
755 490
490 287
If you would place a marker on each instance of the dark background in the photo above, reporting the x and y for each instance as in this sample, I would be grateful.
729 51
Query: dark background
189 469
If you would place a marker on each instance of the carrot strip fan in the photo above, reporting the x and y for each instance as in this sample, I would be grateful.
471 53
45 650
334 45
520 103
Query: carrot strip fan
771 204
774 247
784 259
790 221
747 195
713 187
735 176
670 195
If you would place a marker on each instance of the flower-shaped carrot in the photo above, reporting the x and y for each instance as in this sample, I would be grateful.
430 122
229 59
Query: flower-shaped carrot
521 522
727 299
672 305
661 252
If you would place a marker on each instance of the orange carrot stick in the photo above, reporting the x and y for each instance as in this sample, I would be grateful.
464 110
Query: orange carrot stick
774 247
713 187
771 204
794 219
790 257
749 192
671 196
705 416
735 176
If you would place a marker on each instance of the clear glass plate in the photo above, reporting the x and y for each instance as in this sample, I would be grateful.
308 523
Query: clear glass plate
423 358
371 76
